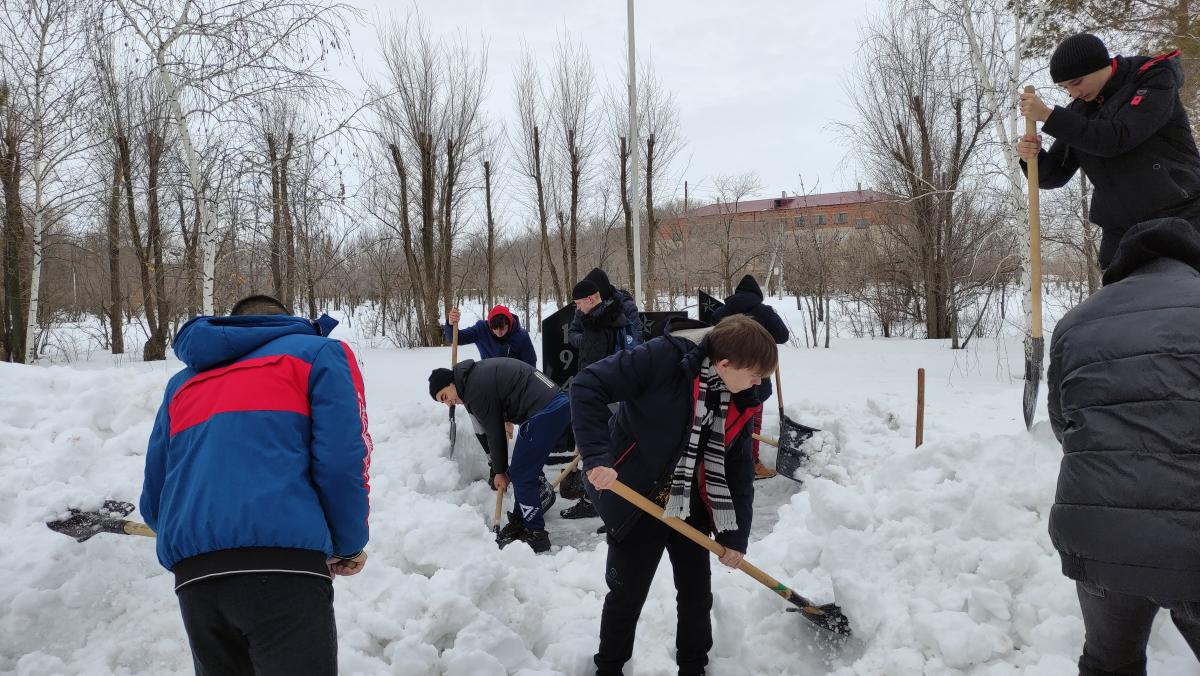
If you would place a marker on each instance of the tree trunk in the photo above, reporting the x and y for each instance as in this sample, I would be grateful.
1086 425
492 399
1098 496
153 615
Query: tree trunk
575 171
414 269
289 228
15 283
629 212
143 256
112 217
156 346
430 330
276 219
559 289
447 238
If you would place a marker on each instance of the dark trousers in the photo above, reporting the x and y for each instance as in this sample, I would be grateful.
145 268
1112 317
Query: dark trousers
630 569
535 440
261 623
1117 627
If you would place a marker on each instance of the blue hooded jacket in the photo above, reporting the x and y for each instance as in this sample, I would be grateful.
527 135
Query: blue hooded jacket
260 442
515 344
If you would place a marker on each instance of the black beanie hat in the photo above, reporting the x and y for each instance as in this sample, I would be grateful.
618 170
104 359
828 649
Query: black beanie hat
438 380
584 289
749 285
1077 56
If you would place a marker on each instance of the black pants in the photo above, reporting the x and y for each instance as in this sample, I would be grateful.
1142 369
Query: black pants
255 623
1117 627
630 569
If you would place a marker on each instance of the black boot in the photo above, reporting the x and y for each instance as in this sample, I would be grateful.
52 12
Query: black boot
581 510
511 530
537 539
571 487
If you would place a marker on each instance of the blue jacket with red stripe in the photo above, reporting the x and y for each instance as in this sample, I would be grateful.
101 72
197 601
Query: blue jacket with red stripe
656 385
260 442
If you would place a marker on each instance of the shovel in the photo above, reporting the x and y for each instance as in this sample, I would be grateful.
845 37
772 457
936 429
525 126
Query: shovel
828 616
790 443
1035 344
83 525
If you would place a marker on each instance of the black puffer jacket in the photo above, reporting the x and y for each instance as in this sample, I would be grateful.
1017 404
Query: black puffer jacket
655 384
499 390
1134 143
610 327
1124 399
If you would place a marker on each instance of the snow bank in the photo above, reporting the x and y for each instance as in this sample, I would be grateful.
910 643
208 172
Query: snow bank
939 555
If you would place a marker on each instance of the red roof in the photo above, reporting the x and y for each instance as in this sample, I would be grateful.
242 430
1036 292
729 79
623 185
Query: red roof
832 199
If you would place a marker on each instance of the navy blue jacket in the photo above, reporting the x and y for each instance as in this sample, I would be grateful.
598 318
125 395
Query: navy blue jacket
515 344
260 442
655 384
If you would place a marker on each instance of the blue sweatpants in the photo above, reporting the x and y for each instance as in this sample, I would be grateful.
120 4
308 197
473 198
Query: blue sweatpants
535 440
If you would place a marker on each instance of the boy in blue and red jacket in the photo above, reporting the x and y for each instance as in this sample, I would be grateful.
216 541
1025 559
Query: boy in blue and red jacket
680 436
257 487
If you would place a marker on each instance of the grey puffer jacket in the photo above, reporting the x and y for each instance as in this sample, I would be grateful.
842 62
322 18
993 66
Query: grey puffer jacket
1124 400
500 390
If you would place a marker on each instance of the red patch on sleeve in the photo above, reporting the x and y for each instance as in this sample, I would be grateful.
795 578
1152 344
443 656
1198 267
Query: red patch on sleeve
1135 100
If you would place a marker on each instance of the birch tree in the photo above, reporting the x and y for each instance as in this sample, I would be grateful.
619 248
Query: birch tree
211 55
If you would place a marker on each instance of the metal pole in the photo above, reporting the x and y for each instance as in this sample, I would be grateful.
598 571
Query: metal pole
635 155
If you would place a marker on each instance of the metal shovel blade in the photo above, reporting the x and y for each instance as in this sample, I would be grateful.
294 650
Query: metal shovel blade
1035 350
83 525
792 456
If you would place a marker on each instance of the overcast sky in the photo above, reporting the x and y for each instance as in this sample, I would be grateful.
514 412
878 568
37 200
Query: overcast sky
758 82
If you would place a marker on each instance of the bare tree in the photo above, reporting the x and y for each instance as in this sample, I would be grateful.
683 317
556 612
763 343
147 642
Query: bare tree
211 58
16 266
43 44
919 130
576 125
531 120
738 244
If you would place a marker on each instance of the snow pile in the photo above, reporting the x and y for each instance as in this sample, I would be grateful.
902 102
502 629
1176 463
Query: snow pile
939 555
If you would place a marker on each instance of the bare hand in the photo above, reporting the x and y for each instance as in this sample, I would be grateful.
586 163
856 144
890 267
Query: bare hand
1028 147
508 429
454 316
732 558
347 567
500 482
602 477
1032 106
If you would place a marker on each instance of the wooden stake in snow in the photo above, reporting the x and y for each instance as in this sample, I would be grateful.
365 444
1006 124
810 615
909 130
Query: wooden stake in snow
920 407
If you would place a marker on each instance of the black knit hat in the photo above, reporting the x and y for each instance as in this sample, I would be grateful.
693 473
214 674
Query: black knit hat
438 380
584 289
1077 56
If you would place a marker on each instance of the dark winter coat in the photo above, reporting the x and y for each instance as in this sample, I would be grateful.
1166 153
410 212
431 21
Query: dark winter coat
655 384
499 390
1134 143
613 325
1124 400
515 343
747 299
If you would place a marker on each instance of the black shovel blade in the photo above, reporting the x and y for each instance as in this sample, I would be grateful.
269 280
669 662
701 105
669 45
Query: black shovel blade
83 525
828 617
792 456
1035 350
453 431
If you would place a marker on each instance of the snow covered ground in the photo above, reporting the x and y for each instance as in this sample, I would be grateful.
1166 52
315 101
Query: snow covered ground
939 555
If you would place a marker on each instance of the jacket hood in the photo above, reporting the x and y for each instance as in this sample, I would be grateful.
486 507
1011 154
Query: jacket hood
600 279
502 311
1149 241
749 285
205 342
1168 60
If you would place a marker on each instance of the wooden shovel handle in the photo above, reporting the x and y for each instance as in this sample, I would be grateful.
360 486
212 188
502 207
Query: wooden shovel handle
135 528
454 347
692 534
1035 234
499 506
770 441
566 470
779 387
